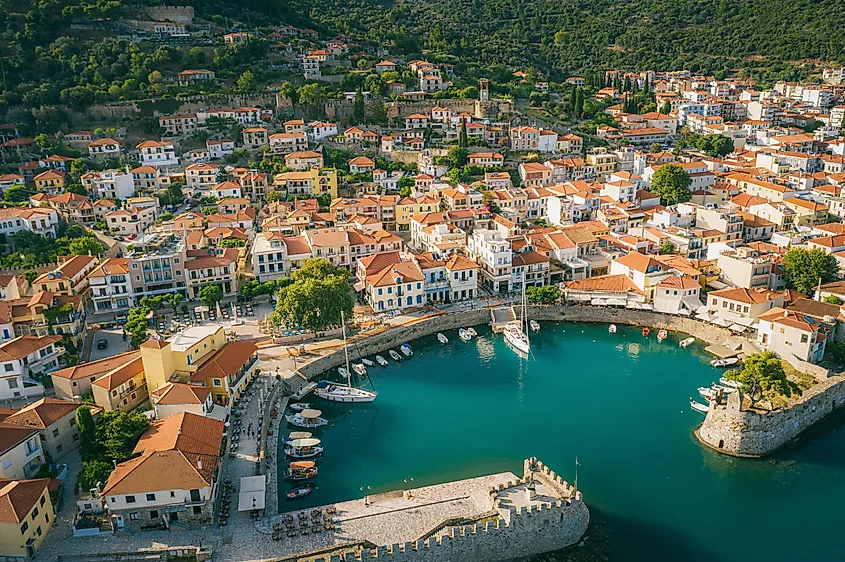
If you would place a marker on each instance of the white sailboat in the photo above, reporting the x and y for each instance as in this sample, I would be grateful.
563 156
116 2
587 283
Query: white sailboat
516 335
338 392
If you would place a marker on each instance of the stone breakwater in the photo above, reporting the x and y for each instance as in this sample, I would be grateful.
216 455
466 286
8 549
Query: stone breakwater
395 337
730 429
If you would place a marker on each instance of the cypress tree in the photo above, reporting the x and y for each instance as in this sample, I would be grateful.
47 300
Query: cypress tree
463 140
579 103
358 111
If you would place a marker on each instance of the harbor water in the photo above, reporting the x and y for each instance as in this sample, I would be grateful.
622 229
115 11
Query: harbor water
620 404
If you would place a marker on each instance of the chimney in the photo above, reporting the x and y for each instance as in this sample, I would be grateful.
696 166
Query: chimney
199 464
785 313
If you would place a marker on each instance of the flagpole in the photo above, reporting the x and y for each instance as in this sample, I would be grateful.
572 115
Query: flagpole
577 464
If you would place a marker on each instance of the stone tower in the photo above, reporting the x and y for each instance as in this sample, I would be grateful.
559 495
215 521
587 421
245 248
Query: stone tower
484 90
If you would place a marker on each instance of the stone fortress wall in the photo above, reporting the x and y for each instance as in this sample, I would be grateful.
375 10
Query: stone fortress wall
520 532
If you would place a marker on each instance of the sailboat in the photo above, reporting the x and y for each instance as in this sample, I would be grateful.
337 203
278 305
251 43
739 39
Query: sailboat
516 335
339 392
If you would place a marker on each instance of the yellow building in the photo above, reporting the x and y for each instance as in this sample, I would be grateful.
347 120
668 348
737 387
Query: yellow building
201 356
52 181
26 516
409 206
69 278
124 388
315 182
603 161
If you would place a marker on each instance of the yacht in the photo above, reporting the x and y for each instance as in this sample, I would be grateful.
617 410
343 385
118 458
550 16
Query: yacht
726 382
726 362
299 406
516 335
339 392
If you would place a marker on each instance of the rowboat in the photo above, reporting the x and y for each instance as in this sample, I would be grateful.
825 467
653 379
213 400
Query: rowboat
472 332
726 362
464 335
646 332
368 363
299 406
612 328
406 350
535 327
441 338
687 342
382 361
662 335
699 407
393 355
298 493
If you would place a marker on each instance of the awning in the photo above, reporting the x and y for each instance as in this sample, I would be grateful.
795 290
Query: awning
580 297
598 302
616 302
719 321
747 322
684 312
646 306
251 496
633 305
692 303
702 316
736 328
359 286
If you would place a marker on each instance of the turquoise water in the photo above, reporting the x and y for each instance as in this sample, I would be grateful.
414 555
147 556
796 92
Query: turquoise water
620 403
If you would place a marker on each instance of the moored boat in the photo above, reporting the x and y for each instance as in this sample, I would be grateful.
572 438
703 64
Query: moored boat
367 362
393 355
727 382
297 435
725 389
534 325
472 332
303 448
359 368
687 342
707 393
307 418
301 470
382 361
464 335
646 332
699 407
299 406
442 338
612 328
517 339
298 493
726 362
343 372
334 392
662 335
406 350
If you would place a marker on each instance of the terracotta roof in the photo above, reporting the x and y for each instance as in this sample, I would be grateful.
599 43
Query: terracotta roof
743 295
69 268
409 271
640 262
528 258
18 497
13 434
113 379
458 262
44 413
605 284
790 318
176 393
96 368
226 361
22 346
679 282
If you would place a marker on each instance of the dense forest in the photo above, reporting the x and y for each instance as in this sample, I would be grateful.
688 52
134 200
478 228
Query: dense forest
57 53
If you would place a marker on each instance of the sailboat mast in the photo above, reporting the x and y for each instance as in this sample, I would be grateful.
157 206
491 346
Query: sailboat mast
524 308
345 351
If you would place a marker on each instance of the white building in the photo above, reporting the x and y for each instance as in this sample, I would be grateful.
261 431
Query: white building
157 153
494 256
109 184
219 148
24 357
111 288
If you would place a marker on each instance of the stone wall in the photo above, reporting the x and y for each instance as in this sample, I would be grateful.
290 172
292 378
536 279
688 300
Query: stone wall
478 109
730 429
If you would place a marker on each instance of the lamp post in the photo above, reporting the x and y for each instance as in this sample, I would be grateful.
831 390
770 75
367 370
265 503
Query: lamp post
408 481
366 496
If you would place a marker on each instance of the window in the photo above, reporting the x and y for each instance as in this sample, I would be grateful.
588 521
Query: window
24 527
197 510
34 513
43 500
153 514
133 516
72 421
130 499
8 367
216 382
804 338
172 494
13 383
151 497
195 496
58 448
56 432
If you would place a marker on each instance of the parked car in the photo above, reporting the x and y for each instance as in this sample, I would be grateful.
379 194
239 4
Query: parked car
102 344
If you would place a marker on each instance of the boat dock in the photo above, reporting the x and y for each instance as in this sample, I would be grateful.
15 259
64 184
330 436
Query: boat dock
502 316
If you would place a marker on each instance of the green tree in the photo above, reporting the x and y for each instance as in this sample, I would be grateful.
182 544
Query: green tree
76 188
30 275
833 299
546 294
315 298
579 103
762 377
457 157
247 83
210 295
463 139
88 445
805 269
358 108
119 433
666 109
378 112
672 183
85 246
667 247
311 99
17 194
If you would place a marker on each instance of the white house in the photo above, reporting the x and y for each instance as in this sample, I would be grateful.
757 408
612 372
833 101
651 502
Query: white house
157 153
23 357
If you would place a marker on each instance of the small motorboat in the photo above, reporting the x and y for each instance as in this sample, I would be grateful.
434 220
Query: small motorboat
441 338
382 361
359 368
707 393
687 342
395 356
726 362
646 332
699 407
343 372
368 363
300 470
472 332
726 382
725 389
662 335
307 419
294 435
298 493
406 350
534 325
299 406
303 448
464 335
612 328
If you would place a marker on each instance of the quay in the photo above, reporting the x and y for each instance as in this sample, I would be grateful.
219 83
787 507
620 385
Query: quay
488 518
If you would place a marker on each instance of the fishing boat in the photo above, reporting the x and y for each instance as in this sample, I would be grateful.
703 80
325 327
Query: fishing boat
707 393
298 493
687 342
303 448
367 362
726 362
307 418
393 355
516 335
699 407
662 335
441 338
464 335
299 406
646 332
726 382
339 392
382 361
535 326
294 435
472 332
406 350
343 372
300 470
612 328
